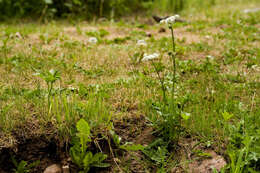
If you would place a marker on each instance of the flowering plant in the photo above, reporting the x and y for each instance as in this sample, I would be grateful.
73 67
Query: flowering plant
141 43
168 116
150 57
170 20
93 40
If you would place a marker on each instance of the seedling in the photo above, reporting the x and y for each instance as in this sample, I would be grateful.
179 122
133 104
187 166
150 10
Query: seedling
23 166
50 77
79 154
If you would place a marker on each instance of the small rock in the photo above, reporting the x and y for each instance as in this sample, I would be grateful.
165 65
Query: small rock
148 34
66 169
207 37
53 169
18 35
162 30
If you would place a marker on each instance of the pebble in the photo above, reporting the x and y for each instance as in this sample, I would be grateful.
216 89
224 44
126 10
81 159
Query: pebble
66 169
53 169
18 35
162 30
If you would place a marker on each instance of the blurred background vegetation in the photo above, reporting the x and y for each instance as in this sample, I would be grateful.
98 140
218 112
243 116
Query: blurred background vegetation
88 9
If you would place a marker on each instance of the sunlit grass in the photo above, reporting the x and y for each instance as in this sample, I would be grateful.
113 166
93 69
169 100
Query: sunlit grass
218 64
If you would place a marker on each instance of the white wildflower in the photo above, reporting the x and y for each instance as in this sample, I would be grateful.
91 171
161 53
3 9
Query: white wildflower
37 74
207 37
141 43
254 10
72 88
52 71
255 67
150 57
211 58
18 35
170 20
93 40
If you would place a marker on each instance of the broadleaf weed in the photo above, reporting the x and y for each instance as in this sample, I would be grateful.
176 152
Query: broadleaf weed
80 156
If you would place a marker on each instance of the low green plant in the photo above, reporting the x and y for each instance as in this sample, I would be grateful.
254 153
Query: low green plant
79 154
46 38
98 34
239 158
50 77
5 48
243 149
157 151
23 166
117 40
167 116
128 146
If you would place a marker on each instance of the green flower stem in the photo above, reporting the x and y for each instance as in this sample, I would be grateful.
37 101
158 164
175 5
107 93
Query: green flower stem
161 79
174 67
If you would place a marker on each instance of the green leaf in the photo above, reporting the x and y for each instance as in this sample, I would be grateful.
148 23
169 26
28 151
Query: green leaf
215 170
115 137
88 160
101 165
22 167
158 155
185 115
48 1
83 128
77 2
34 164
204 154
98 159
159 66
132 147
75 155
14 161
227 115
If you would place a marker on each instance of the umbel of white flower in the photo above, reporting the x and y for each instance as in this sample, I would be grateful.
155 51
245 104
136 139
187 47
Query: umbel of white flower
141 43
92 40
150 57
170 20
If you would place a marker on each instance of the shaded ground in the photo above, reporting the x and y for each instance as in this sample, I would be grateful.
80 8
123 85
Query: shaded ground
49 150
192 155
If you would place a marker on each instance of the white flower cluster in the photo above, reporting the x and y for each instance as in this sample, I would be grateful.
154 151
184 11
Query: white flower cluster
254 10
72 88
211 58
92 40
18 35
170 20
150 57
141 43
52 71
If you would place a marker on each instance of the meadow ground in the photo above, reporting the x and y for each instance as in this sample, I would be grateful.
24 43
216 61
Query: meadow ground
51 76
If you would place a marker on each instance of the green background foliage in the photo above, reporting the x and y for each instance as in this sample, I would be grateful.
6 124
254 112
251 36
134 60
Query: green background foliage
91 8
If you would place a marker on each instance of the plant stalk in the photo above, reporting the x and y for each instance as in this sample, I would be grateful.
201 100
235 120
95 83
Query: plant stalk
174 67
161 79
